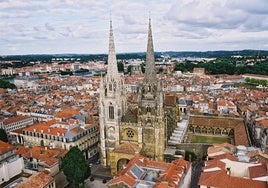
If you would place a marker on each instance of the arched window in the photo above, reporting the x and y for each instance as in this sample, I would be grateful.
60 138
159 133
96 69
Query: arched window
111 112
148 108
105 91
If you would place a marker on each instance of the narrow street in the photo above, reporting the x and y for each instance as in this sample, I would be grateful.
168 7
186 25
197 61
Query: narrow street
196 171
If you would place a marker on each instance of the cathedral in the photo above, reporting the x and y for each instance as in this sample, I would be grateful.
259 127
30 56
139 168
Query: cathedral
130 129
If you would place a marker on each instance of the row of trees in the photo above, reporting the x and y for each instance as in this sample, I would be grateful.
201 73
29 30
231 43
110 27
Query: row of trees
224 66
256 81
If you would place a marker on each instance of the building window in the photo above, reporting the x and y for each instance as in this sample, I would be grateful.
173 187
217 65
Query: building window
111 112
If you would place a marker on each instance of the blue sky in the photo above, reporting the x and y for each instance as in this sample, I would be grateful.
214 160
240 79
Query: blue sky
81 26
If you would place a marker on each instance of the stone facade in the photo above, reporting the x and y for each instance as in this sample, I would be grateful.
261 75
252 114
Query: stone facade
142 124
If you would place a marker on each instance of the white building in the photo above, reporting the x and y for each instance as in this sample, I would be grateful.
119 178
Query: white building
16 122
10 163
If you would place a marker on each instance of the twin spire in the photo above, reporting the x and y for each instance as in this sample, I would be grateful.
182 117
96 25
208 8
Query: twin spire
150 74
112 71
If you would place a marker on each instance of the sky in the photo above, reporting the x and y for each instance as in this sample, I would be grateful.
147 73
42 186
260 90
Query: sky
82 26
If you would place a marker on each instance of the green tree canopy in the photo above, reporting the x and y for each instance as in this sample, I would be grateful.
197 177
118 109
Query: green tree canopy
5 84
129 69
120 67
75 166
3 135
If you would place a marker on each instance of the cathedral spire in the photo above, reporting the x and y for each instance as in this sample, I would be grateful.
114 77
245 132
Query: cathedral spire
150 74
112 62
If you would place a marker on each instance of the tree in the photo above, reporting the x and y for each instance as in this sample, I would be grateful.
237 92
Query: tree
75 167
5 84
247 79
129 69
120 67
3 135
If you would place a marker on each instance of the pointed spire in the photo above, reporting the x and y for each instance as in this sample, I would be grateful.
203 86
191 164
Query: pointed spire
112 62
150 74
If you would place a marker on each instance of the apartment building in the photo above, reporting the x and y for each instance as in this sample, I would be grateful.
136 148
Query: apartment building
10 163
16 122
64 135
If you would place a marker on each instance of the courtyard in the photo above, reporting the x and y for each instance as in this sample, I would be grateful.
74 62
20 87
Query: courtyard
209 139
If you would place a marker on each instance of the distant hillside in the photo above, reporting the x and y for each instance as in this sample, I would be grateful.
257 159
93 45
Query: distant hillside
85 57
216 54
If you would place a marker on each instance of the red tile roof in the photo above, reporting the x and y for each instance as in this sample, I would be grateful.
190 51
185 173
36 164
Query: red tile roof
170 173
128 148
5 147
49 156
221 179
14 119
258 171
67 113
38 180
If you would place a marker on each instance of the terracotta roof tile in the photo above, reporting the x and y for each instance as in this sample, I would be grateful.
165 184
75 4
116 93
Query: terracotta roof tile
67 113
170 173
38 180
221 179
43 154
14 119
258 171
5 147
127 147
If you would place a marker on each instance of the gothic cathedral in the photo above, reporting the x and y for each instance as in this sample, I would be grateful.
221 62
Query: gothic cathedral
130 129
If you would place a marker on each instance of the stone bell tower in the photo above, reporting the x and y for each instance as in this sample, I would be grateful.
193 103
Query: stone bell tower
151 123
112 104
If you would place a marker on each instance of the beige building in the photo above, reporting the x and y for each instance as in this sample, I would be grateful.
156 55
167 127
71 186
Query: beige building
16 122
62 135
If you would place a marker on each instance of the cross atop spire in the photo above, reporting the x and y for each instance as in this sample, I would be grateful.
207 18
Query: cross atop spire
112 71
150 74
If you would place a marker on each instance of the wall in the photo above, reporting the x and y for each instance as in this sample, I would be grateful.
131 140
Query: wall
11 169
199 149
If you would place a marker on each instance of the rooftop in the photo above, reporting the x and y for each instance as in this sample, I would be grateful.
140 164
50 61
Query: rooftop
38 180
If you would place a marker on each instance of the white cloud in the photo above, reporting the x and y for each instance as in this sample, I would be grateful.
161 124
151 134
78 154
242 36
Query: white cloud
61 26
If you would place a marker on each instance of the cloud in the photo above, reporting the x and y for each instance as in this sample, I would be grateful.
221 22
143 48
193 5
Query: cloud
81 25
49 27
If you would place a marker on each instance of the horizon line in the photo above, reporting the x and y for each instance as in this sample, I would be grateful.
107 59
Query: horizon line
119 53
